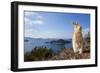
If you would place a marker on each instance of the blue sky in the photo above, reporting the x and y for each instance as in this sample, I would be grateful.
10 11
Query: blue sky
53 25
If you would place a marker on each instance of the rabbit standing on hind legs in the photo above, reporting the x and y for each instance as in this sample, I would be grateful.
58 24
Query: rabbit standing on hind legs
77 40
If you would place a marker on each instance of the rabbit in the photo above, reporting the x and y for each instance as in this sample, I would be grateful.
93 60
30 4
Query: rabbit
77 38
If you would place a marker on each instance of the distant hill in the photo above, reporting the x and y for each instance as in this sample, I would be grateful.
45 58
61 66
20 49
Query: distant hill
61 41
27 39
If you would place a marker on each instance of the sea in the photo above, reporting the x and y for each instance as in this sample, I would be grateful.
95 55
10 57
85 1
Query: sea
31 43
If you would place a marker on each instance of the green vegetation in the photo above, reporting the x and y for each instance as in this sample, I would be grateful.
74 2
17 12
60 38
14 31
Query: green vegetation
38 54
87 39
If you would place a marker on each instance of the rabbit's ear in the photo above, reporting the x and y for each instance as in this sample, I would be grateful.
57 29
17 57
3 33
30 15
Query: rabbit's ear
75 23
80 28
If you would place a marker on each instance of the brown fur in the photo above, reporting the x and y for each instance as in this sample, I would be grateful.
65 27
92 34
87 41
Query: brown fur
77 38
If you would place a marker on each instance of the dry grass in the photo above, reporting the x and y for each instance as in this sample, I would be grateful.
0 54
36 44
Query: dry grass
68 54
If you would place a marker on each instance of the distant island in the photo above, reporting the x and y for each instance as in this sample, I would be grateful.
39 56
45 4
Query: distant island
26 40
52 40
61 41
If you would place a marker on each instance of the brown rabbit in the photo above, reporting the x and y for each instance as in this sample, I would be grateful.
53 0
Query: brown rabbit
77 39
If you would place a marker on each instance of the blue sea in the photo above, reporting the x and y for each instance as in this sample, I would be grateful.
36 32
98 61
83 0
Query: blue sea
31 43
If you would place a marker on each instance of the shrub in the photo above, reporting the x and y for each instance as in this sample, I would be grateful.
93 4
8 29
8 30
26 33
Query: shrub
87 39
39 54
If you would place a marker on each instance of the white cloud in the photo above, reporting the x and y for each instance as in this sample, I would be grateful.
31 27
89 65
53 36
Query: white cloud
31 22
30 13
85 31
33 33
37 22
30 32
38 19
27 21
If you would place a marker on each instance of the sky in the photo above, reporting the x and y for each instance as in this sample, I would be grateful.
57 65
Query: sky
53 24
